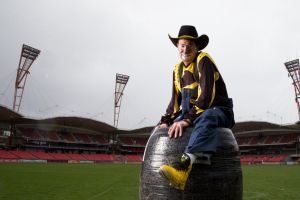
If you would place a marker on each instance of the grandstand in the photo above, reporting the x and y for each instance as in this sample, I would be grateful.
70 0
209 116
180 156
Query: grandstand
65 139
75 140
266 143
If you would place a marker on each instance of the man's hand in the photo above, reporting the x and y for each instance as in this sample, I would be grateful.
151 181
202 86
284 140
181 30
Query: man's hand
159 126
162 126
177 129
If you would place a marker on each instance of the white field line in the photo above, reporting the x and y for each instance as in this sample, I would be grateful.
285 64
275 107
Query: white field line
101 193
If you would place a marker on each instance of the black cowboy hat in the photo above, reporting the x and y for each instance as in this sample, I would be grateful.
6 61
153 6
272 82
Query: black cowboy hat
190 33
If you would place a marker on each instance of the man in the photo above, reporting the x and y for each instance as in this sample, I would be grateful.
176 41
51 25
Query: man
199 99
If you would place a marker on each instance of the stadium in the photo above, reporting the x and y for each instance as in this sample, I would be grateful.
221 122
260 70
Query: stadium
78 143
78 139
74 139
84 146
57 141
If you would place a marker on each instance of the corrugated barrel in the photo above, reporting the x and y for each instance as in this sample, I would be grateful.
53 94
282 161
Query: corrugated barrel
222 180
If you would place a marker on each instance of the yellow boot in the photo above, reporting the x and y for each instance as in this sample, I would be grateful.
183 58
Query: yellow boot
178 172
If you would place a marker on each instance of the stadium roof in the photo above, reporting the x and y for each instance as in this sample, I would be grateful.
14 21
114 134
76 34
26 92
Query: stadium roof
9 116
251 128
145 131
253 125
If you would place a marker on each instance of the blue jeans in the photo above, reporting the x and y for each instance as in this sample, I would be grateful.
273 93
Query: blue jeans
185 103
204 137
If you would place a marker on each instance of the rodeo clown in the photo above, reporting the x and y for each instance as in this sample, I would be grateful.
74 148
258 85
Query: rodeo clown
199 99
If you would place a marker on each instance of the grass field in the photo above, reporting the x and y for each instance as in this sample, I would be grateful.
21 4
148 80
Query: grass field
120 181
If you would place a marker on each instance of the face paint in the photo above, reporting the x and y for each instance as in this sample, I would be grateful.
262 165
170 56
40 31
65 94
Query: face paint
187 50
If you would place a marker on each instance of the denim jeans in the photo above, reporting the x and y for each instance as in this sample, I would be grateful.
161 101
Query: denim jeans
185 103
204 137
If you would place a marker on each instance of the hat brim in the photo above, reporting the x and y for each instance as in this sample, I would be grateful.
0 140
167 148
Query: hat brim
201 41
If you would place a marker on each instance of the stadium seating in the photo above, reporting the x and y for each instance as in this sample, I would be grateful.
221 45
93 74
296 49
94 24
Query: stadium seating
52 135
82 137
267 140
59 156
133 158
126 140
258 159
60 138
38 141
99 139
30 133
23 154
288 138
75 156
246 159
243 140
277 158
271 139
133 141
254 141
42 155
68 137
7 155
141 141
43 135
98 157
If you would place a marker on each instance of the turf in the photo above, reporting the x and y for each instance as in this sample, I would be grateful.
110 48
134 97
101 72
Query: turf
69 181
274 182
120 181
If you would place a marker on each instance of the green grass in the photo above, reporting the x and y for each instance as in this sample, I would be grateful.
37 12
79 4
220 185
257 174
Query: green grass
274 182
69 181
120 181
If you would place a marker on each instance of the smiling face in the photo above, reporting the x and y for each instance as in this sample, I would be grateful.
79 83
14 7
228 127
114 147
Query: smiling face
187 50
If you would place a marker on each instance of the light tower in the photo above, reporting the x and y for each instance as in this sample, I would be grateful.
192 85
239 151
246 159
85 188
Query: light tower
294 72
121 81
28 55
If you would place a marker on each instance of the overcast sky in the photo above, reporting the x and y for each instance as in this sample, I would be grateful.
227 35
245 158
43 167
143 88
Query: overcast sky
84 43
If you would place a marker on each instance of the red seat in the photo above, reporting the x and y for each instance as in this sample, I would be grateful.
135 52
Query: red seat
23 154
7 155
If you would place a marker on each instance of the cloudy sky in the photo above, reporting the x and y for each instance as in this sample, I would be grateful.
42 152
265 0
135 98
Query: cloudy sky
84 43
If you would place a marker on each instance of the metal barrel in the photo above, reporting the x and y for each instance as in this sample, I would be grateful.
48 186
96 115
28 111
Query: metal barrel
221 180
